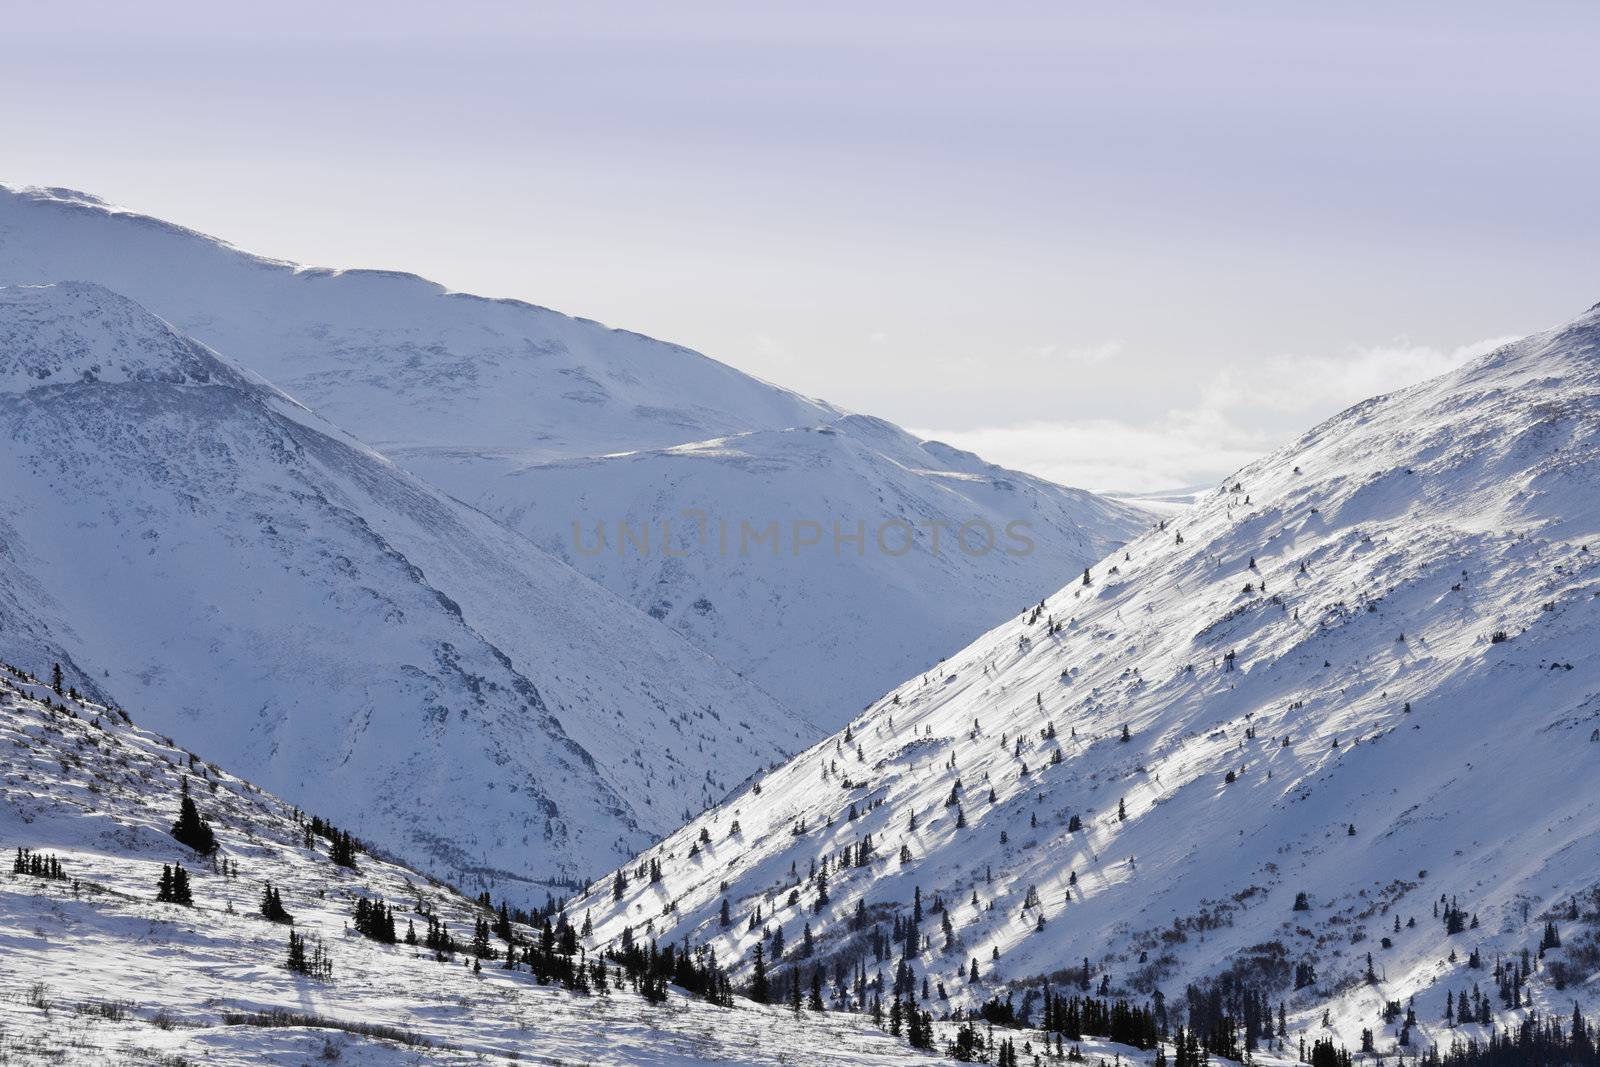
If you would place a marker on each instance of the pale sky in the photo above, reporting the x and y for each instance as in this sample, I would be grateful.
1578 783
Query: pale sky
1122 245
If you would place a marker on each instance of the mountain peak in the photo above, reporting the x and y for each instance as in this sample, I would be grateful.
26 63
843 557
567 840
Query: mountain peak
80 332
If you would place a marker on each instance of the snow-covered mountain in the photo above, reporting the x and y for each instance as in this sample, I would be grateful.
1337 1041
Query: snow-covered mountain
186 539
780 549
98 971
1348 705
521 412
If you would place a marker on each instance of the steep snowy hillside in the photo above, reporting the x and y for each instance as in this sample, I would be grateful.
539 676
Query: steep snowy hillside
186 539
1346 706
519 411
98 971
784 550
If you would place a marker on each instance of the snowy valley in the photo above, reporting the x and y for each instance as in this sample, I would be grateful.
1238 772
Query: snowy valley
1303 766
1317 756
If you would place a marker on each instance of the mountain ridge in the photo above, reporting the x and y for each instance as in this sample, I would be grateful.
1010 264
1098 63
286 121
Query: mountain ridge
493 401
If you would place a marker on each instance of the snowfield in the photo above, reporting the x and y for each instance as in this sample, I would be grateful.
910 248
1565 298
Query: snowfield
1362 670
522 412
96 971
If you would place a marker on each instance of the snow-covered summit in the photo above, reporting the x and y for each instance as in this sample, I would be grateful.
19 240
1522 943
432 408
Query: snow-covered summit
81 332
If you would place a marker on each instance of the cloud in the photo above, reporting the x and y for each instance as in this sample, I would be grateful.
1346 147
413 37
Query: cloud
1081 355
1298 384
1239 416
1182 448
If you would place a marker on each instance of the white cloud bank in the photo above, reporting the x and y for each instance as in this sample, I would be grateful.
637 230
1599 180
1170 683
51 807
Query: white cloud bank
1238 416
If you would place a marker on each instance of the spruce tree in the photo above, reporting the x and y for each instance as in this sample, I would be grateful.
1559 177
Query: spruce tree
272 906
759 990
191 829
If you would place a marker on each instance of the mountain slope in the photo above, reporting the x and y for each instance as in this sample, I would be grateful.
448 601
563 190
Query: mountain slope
97 971
786 549
183 537
1363 670
519 411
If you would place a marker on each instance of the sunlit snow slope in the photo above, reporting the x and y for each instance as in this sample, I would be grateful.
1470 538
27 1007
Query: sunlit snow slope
184 538
1364 669
519 411
98 972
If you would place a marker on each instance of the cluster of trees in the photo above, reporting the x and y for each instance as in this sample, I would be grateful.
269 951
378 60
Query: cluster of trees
1073 1017
651 968
342 848
173 888
315 963
1535 1042
35 865
917 1024
375 919
1226 1012
972 1045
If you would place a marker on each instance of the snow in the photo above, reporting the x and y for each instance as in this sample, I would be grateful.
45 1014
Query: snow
1426 523
97 971
514 408
243 576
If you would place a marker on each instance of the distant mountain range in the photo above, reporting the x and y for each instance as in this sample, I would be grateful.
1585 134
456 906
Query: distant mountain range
544 421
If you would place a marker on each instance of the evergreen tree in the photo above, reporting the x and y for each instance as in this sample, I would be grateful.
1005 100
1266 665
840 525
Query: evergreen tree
191 829
342 849
272 906
173 888
759 990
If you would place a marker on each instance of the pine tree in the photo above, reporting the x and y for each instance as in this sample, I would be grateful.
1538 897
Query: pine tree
55 678
342 849
272 906
191 829
759 990
173 888
297 953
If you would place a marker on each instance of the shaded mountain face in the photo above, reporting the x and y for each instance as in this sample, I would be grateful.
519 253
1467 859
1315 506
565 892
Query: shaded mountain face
544 421
190 542
1347 705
